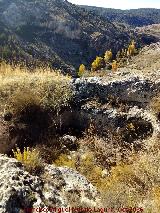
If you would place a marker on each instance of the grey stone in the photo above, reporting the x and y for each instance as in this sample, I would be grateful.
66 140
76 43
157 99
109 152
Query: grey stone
20 190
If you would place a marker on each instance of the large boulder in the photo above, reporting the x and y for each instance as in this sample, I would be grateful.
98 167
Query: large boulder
57 187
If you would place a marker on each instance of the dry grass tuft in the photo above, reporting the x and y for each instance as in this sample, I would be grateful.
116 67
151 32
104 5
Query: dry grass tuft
30 158
19 87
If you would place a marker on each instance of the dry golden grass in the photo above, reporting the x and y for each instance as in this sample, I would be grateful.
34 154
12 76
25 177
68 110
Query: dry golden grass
155 104
148 59
85 164
19 87
133 183
136 184
108 150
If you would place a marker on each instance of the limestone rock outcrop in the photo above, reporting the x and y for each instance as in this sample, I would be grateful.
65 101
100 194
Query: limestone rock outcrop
57 187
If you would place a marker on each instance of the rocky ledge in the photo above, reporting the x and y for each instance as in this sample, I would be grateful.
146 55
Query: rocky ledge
112 102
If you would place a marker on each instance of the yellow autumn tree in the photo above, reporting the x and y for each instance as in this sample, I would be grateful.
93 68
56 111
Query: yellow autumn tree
94 65
97 64
108 56
114 65
131 48
81 70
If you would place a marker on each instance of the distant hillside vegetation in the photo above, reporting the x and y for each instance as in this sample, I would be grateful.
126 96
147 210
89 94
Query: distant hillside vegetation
57 32
134 17
153 30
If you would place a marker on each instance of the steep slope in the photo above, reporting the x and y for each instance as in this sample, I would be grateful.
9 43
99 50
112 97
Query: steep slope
133 17
153 30
56 31
148 59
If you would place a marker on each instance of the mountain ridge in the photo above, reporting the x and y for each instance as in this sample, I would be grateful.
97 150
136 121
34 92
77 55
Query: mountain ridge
132 17
58 33
59 30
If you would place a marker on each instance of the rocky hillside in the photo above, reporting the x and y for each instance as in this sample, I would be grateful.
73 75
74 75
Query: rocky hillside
92 141
56 31
133 17
148 59
153 30
84 143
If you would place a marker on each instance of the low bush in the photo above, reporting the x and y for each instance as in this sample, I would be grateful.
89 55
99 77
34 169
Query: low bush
30 158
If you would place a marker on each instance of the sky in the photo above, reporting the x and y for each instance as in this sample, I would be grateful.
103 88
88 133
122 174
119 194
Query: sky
120 4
